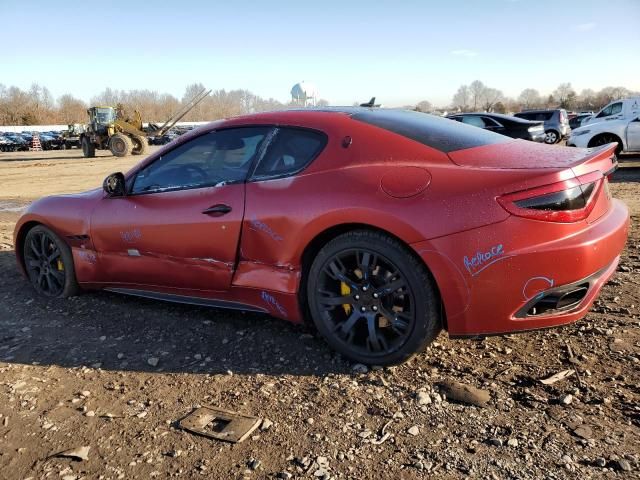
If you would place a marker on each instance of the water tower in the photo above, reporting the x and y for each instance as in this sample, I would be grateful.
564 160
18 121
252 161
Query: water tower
304 94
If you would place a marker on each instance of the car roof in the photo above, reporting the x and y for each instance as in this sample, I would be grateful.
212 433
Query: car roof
497 116
430 130
541 110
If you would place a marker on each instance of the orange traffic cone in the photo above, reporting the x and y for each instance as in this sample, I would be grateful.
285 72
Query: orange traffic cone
36 146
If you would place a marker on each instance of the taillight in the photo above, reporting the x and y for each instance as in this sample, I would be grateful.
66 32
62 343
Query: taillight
568 201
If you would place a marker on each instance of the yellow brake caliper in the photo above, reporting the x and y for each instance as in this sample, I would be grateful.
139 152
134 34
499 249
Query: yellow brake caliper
60 265
345 290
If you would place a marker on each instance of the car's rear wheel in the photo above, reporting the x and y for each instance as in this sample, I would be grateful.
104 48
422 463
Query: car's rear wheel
49 263
371 299
551 137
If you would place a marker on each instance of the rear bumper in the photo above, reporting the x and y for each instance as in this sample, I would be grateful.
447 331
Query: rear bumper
520 275
538 137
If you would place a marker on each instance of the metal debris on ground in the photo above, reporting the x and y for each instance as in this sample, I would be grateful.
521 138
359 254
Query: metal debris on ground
79 453
557 377
384 435
220 424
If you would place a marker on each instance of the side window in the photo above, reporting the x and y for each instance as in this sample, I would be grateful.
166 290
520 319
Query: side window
289 152
610 110
616 108
215 158
473 120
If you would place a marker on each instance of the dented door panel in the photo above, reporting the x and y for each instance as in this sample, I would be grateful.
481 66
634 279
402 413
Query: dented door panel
164 239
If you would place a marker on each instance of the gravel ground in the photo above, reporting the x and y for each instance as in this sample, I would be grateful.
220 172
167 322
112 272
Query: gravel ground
116 374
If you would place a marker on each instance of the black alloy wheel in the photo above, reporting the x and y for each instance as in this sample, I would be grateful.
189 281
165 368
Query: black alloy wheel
49 263
371 299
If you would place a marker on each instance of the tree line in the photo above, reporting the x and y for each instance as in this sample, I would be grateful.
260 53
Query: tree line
36 106
477 97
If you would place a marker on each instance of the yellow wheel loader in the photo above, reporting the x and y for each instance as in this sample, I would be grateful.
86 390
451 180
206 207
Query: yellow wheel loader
108 129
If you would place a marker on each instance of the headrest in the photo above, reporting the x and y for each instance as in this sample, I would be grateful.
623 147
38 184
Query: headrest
230 143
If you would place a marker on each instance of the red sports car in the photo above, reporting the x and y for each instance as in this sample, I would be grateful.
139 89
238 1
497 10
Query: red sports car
380 226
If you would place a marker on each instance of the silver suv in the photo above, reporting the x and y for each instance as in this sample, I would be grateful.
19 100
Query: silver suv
556 123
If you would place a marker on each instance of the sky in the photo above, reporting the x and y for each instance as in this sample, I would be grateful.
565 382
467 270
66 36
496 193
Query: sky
402 52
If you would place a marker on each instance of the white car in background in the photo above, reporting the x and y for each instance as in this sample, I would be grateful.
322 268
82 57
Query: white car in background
623 109
625 132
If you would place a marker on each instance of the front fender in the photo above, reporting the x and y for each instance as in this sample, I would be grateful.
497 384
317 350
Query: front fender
66 215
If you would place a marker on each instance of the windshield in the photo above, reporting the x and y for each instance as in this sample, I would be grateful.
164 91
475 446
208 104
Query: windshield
105 115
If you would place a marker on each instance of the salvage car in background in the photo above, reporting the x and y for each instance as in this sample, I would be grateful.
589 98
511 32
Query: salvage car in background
556 122
624 133
577 120
71 136
6 144
14 142
380 226
503 124
623 109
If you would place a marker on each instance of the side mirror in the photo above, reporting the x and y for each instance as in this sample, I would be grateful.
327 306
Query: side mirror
114 185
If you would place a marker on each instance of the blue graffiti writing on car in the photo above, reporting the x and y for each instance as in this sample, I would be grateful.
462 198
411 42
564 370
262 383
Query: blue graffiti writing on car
130 236
260 226
482 259
87 256
272 302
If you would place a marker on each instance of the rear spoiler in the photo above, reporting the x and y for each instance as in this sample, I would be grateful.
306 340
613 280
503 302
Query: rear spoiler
601 159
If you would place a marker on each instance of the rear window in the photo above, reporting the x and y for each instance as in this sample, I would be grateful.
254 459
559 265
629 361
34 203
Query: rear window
440 133
535 116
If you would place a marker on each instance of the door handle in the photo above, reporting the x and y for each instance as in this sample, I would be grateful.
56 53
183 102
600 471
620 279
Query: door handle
219 209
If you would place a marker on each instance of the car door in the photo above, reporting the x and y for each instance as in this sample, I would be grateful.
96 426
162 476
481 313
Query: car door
179 225
633 135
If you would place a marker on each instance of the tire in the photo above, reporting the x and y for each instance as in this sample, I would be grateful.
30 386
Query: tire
140 145
88 148
120 145
49 263
604 139
354 310
551 137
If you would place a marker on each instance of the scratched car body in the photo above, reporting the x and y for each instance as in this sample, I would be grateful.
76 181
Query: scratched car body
381 227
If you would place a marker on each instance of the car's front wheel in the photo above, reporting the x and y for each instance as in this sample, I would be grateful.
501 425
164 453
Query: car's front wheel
49 263
371 299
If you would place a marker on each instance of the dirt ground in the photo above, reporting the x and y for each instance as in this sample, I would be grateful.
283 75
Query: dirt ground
116 374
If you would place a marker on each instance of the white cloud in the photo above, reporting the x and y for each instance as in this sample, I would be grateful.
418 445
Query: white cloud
584 27
464 53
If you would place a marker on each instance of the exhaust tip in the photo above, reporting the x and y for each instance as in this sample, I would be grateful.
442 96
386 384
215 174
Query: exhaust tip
557 300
